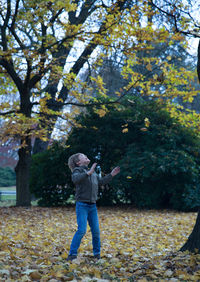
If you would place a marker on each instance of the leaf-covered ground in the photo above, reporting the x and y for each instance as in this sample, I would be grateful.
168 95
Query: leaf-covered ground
136 246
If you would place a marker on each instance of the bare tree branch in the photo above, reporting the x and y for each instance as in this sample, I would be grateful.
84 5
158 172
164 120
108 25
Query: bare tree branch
174 18
8 13
15 14
11 71
8 113
87 52
52 20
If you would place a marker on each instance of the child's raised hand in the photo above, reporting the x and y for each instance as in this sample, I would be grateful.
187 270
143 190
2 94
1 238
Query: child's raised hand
92 169
115 171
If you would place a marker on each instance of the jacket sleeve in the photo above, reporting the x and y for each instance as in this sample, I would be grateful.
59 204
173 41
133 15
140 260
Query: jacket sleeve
105 180
78 176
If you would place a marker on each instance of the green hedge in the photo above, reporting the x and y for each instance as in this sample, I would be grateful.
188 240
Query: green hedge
159 178
7 177
49 177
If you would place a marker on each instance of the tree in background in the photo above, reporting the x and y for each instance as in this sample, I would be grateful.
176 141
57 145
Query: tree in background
113 63
39 41
164 66
184 21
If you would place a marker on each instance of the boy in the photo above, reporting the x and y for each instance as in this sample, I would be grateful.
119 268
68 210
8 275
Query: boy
86 182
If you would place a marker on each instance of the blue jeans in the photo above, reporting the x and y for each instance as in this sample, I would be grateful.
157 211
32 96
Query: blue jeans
86 212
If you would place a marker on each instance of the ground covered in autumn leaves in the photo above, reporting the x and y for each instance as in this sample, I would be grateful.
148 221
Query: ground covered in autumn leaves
136 246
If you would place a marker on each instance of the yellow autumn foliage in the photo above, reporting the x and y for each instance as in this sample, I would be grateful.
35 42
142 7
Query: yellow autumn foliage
136 246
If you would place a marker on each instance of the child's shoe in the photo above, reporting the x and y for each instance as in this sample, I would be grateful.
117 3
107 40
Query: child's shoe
98 256
71 257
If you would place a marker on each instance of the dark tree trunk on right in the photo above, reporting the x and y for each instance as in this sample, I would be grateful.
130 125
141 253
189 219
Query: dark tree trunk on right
193 242
198 61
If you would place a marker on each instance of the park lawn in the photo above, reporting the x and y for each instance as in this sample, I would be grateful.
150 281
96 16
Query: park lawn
136 246
8 200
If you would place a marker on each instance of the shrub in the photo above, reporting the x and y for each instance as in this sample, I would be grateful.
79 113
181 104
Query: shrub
159 166
159 178
49 177
159 162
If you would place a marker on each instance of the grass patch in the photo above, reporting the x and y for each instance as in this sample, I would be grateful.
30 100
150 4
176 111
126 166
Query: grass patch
12 203
11 188
10 200
7 200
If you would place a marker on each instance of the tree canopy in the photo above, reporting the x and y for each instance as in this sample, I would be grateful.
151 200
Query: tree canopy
44 46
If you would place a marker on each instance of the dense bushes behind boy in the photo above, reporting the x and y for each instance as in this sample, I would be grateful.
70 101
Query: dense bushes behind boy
159 162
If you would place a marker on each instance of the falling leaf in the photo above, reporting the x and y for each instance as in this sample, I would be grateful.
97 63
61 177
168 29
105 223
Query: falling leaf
146 122
143 129
125 130
149 67
101 112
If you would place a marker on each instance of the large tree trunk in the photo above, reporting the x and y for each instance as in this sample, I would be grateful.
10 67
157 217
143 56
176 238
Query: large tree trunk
22 175
198 61
40 146
193 242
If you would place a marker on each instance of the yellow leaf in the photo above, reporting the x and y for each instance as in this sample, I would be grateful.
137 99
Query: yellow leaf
64 255
125 130
101 113
149 67
125 125
35 275
146 122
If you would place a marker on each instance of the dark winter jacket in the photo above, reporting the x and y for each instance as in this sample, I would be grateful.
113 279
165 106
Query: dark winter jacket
87 185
